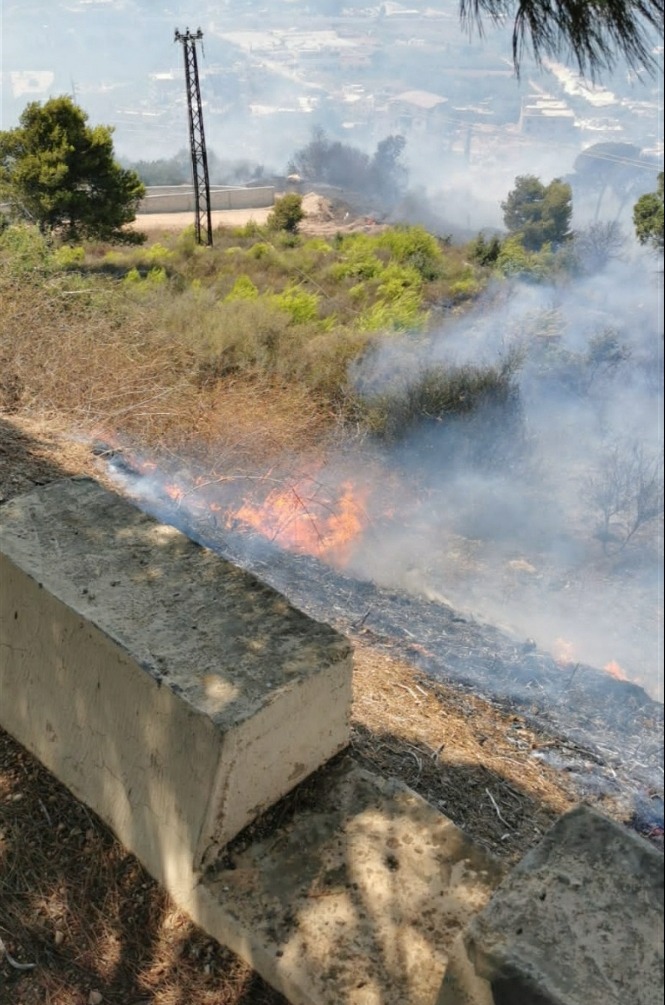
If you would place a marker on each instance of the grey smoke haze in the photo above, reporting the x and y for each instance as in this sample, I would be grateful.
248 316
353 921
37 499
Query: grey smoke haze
506 529
266 82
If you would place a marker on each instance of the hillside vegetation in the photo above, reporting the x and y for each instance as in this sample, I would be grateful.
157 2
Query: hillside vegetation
165 338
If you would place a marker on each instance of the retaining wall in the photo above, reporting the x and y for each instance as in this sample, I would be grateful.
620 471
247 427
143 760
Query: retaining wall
180 198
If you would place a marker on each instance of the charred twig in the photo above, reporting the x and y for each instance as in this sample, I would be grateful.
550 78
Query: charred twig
419 763
570 680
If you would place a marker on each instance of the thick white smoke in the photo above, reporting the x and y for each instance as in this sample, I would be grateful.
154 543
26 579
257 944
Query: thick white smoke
505 519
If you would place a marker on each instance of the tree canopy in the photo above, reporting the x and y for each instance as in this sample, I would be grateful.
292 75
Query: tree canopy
539 214
614 168
61 174
595 33
382 175
648 217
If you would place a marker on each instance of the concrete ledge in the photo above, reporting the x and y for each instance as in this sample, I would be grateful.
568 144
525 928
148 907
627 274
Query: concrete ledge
173 693
578 922
357 899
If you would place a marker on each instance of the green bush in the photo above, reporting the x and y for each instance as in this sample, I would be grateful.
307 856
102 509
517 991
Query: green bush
155 254
287 213
298 304
359 264
415 247
401 314
484 252
395 279
465 289
153 277
260 250
68 257
441 393
24 249
250 229
514 260
243 289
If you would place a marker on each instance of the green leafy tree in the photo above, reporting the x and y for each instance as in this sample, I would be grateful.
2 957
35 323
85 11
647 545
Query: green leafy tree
387 172
61 174
648 217
287 214
382 176
595 33
539 214
485 252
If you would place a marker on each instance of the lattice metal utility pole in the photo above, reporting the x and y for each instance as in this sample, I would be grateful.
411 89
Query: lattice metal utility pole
197 142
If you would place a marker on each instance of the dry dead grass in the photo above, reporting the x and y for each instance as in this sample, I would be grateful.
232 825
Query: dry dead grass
108 363
73 901
92 356
76 903
168 223
469 759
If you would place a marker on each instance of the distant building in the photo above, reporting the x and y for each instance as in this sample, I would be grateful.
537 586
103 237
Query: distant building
31 82
417 112
543 117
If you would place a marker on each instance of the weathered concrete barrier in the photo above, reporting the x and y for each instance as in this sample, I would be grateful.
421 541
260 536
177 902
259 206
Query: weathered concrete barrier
180 198
578 922
172 692
355 898
180 698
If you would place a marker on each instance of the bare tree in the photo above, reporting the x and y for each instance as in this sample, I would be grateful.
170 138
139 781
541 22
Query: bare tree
626 491
599 244
596 33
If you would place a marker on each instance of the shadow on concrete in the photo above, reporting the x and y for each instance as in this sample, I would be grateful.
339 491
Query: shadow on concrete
73 901
63 872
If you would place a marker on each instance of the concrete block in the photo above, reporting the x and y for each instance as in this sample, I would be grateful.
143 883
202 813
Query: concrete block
175 694
355 897
578 922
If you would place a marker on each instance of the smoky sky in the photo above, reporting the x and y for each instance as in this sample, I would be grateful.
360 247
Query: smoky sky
108 55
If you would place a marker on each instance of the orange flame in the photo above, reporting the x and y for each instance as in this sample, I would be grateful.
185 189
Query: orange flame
615 670
563 652
306 524
174 492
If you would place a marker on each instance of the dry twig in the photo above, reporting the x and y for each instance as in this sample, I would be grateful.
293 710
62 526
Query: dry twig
11 961
497 810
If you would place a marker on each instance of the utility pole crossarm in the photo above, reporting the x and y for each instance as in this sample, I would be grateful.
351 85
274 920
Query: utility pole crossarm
201 180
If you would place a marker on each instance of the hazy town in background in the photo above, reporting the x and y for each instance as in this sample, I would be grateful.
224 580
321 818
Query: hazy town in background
273 70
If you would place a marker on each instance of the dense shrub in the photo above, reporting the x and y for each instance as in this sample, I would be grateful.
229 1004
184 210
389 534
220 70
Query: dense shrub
285 307
243 289
413 246
287 214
